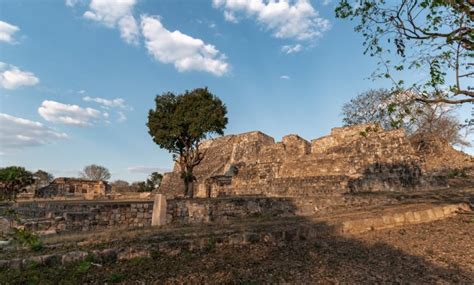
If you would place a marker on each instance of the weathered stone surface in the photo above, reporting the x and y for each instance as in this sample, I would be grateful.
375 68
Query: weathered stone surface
361 158
74 187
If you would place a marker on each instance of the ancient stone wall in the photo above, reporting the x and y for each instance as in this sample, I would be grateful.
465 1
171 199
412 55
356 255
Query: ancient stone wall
49 217
74 216
360 158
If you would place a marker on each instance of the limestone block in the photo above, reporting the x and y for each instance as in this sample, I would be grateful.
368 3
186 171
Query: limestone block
159 211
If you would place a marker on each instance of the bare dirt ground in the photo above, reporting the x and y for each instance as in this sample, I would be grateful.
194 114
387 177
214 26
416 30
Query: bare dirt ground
438 252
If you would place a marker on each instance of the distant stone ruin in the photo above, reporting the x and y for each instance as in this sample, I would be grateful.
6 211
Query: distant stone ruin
362 158
64 187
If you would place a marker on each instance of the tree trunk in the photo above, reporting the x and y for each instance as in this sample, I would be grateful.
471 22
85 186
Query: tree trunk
186 187
187 176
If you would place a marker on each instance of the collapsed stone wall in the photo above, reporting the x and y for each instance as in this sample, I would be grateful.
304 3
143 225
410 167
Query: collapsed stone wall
361 158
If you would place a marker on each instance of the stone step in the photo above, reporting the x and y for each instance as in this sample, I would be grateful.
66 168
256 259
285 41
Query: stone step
395 216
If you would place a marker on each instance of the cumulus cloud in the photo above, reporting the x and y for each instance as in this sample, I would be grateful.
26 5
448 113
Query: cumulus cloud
67 114
147 169
11 77
285 77
286 19
288 49
7 31
116 13
17 133
185 52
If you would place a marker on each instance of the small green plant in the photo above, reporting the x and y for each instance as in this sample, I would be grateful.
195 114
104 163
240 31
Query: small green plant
83 266
368 130
116 277
27 238
155 254
139 260
211 244
457 173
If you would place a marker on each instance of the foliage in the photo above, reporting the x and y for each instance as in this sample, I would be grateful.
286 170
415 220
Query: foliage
95 172
27 238
153 181
13 180
457 173
180 122
435 37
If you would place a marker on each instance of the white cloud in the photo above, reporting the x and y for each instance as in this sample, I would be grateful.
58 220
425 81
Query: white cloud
285 77
288 49
11 77
6 32
185 52
286 19
111 103
121 117
230 17
147 169
115 13
72 3
75 115
17 133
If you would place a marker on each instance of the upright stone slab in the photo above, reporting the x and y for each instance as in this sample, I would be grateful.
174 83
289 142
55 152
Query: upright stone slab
158 217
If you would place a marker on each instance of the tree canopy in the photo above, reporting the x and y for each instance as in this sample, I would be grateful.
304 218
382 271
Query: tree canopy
376 106
381 107
435 37
13 180
95 172
180 122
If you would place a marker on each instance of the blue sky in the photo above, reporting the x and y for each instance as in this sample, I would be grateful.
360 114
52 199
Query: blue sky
79 76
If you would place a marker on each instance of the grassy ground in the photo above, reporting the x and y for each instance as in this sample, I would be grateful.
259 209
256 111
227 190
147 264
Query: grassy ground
441 251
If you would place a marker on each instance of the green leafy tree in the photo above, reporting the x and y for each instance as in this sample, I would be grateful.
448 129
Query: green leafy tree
95 172
435 37
155 179
13 180
180 122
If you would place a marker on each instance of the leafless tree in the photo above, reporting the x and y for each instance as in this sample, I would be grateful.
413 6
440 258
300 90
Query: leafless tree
95 172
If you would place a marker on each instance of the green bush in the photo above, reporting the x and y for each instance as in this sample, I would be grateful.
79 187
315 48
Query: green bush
27 238
457 173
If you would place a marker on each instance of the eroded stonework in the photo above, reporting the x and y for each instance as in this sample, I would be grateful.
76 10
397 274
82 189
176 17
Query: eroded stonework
361 158
74 187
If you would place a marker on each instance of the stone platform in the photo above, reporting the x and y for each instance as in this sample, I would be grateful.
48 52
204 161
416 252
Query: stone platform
147 241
